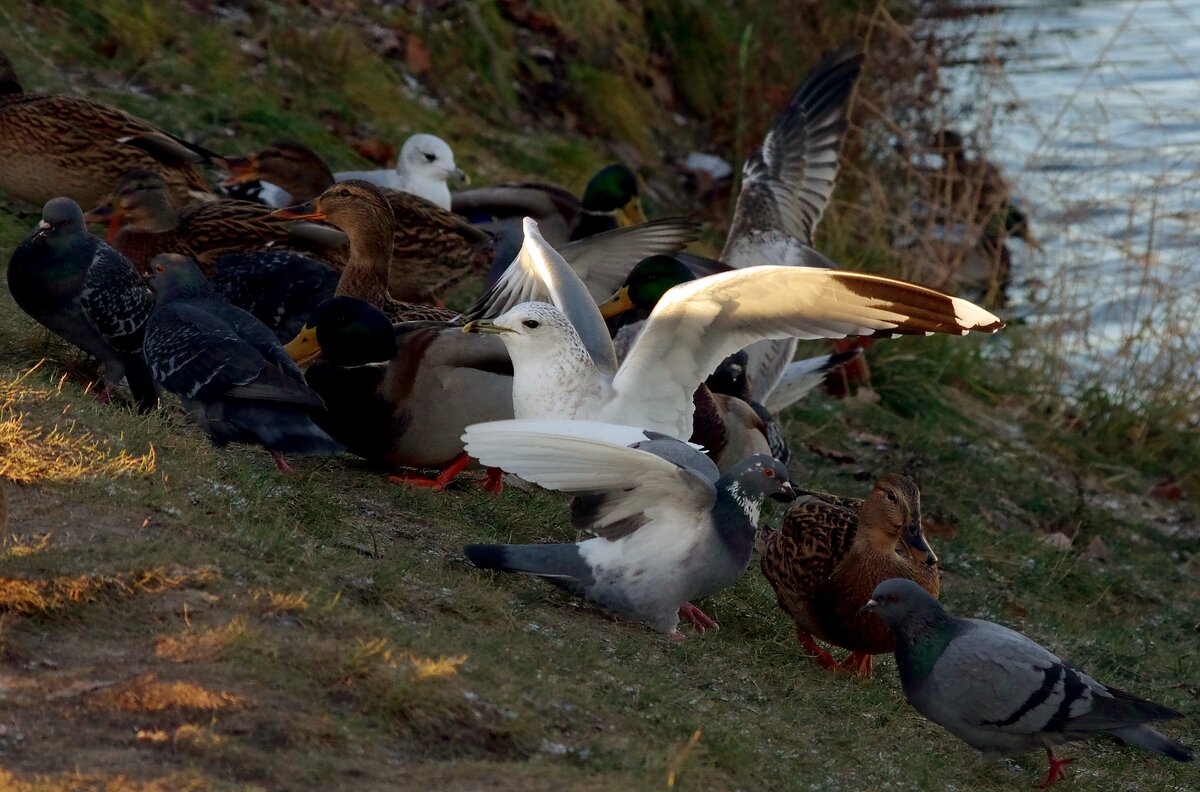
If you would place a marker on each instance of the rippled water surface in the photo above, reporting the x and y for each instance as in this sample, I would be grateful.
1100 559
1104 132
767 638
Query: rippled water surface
1103 144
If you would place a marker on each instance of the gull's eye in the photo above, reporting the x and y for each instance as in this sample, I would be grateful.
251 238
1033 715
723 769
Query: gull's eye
532 324
430 157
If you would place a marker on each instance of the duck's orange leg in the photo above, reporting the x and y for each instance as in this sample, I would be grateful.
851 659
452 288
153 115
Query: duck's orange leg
443 479
810 645
861 664
493 482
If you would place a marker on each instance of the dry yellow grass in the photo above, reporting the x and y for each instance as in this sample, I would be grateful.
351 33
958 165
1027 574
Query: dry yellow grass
43 596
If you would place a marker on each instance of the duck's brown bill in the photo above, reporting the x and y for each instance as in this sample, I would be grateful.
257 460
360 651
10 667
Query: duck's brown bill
305 211
616 305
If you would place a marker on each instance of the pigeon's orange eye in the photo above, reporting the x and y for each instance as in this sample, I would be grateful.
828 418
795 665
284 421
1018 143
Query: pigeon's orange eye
768 473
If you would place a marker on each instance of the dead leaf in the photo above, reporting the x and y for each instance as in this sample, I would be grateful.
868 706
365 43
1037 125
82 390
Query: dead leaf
416 55
935 528
833 455
1058 541
1097 550
1167 490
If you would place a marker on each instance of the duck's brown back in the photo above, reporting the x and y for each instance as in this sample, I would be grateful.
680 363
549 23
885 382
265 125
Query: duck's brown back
433 249
66 145
797 560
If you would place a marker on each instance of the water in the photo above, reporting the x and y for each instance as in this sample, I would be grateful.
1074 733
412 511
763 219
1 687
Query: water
1102 143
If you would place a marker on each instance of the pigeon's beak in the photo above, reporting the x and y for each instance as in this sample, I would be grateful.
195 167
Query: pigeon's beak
914 537
459 177
305 211
870 606
304 348
41 230
241 170
631 213
616 305
786 494
484 326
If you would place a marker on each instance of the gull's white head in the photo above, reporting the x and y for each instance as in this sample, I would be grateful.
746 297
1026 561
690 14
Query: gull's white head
429 158
536 327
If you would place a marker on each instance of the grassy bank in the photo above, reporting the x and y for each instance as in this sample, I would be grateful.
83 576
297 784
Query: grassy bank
177 617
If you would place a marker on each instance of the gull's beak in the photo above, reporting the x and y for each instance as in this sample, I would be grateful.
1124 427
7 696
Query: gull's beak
304 348
459 177
914 537
241 170
787 493
631 213
870 606
305 211
484 326
616 305
41 230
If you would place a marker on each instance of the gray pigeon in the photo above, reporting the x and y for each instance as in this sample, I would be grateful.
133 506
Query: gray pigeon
228 369
87 293
668 529
999 691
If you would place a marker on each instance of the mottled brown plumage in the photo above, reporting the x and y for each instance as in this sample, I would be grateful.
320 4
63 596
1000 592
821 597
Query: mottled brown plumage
144 222
52 146
361 211
830 553
432 249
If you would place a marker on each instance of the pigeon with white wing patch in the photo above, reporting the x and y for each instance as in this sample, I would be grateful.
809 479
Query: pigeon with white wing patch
668 528
1000 692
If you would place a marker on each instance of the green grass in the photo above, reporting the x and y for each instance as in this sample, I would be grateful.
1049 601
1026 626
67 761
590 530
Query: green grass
328 629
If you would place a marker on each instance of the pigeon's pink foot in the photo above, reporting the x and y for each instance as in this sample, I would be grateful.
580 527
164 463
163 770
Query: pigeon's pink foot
280 463
860 664
823 657
697 618
493 482
1058 769
102 393
436 484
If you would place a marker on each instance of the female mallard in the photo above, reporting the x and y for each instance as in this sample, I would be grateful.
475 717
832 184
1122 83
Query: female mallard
432 250
143 222
611 199
830 553
53 146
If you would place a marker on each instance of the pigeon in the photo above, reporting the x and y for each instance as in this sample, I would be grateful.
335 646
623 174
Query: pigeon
88 294
668 527
424 164
1002 693
565 366
227 367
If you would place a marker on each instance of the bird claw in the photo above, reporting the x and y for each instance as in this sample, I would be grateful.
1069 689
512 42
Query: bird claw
697 618
1058 769
281 464
443 479
493 482
860 664
822 656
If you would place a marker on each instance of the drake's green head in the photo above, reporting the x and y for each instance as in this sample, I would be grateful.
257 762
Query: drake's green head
646 284
346 332
615 189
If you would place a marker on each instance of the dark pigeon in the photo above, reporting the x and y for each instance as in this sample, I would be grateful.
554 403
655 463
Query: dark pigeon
87 293
227 367
1002 693
667 528
281 288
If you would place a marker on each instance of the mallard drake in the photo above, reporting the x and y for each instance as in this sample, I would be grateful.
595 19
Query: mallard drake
228 369
423 167
786 186
53 146
669 528
611 199
432 250
829 554
436 379
143 222
87 293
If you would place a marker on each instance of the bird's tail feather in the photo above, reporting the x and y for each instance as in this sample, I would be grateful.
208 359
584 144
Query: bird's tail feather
1155 742
141 382
558 562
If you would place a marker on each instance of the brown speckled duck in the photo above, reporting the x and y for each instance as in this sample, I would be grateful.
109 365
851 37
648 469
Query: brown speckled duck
143 222
52 146
433 249
362 212
830 553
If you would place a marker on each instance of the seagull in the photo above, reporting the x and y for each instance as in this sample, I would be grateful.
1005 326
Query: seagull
1002 693
424 165
564 365
668 527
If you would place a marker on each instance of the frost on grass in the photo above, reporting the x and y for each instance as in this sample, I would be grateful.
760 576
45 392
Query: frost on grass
62 452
